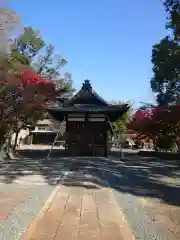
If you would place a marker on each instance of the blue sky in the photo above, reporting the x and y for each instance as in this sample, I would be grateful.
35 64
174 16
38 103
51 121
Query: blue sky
108 42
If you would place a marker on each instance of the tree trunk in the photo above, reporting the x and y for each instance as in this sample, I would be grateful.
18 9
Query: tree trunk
178 146
1 150
1 154
16 138
155 145
8 144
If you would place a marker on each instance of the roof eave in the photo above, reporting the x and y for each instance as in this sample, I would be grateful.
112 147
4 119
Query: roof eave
113 113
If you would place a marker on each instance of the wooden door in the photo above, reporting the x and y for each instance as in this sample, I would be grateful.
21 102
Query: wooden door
76 140
86 139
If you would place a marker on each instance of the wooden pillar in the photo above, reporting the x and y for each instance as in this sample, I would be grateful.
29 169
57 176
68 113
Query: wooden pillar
106 145
66 139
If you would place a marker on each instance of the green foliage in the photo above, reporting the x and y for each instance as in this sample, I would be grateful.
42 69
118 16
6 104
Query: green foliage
173 9
165 82
121 125
166 69
65 82
27 46
49 64
25 53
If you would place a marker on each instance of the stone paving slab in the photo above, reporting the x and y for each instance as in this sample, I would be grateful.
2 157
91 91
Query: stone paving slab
89 225
78 213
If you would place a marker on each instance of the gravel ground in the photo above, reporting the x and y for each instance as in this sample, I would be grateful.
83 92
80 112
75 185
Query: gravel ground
139 219
149 218
37 180
16 224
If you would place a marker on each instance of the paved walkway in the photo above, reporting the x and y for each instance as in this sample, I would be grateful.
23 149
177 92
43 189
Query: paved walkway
80 213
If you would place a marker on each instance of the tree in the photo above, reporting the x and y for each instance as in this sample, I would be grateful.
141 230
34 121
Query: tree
26 50
23 100
160 124
27 46
30 49
120 126
165 82
9 23
37 93
25 89
49 64
65 83
173 9
166 70
146 126
10 94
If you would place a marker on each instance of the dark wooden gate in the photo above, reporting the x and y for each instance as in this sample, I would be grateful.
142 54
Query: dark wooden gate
86 138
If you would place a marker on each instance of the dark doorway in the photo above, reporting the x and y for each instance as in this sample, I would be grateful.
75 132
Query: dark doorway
86 138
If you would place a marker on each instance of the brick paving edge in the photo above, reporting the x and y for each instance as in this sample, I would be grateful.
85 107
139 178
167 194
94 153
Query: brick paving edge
33 225
125 229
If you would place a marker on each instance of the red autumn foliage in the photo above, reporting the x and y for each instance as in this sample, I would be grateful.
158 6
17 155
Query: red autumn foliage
157 123
35 85
141 122
24 91
32 83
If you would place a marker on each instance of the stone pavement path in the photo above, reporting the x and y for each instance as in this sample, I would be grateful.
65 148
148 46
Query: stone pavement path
80 213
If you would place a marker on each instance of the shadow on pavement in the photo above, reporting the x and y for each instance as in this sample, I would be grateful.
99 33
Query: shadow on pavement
140 176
